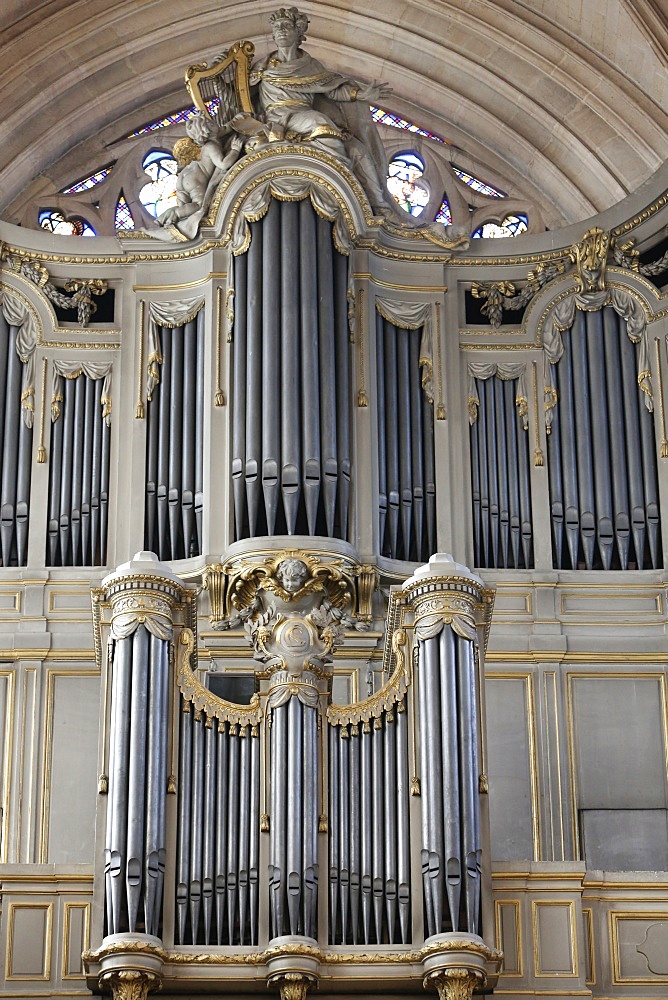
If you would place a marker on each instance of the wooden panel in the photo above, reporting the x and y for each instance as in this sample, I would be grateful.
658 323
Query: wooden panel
6 730
554 939
70 795
508 935
76 931
29 941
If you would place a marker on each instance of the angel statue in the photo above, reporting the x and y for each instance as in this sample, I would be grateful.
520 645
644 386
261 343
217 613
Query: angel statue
301 101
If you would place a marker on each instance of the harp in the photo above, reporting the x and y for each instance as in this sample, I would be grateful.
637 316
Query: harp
222 90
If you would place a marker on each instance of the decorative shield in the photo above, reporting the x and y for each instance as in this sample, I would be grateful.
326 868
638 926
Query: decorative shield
222 90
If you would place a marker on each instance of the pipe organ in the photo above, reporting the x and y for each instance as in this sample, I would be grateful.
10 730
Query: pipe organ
302 429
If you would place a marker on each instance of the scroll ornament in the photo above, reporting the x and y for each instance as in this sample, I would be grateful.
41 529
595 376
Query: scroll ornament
256 205
18 315
507 372
72 370
169 314
563 315
413 316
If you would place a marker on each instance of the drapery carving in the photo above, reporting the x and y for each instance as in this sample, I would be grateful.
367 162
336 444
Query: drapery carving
128 622
430 626
169 314
412 316
73 369
288 189
563 315
17 314
507 372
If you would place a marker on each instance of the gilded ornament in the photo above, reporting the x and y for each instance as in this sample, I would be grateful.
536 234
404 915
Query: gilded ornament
129 984
455 983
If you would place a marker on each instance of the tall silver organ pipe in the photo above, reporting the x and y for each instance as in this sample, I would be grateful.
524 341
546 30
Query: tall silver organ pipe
291 383
369 853
174 458
136 608
407 494
78 475
15 454
447 599
293 858
601 453
500 478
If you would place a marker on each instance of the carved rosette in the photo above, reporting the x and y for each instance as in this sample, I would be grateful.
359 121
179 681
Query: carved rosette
129 984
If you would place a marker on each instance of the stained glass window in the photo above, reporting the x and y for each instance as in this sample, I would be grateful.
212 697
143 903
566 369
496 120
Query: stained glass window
444 214
382 117
55 222
174 119
477 185
512 225
160 193
89 182
404 184
123 216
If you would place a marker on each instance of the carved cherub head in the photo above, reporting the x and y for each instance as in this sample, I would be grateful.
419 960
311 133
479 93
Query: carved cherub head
292 574
200 128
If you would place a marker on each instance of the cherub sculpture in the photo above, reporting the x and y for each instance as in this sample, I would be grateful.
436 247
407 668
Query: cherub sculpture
199 176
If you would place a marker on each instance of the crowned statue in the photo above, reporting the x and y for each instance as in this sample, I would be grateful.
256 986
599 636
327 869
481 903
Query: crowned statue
286 97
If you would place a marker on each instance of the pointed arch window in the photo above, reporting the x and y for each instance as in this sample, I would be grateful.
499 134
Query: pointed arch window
444 214
123 216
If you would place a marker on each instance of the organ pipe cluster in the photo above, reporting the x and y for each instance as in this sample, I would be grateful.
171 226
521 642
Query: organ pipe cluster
16 453
601 453
406 463
135 613
291 397
174 445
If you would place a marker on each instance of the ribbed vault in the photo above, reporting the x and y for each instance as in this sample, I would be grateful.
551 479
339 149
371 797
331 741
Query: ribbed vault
564 101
